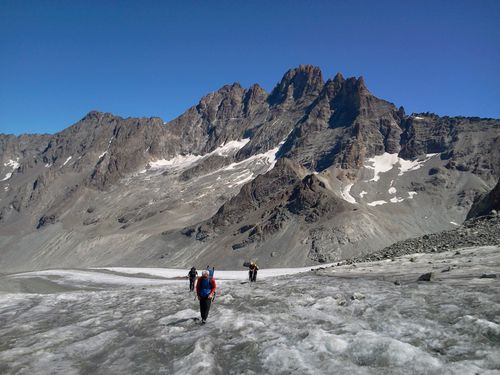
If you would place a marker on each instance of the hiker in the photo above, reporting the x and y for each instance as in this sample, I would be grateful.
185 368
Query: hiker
192 275
252 271
205 289
210 271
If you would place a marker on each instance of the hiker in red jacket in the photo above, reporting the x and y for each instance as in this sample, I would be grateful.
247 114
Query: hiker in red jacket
205 289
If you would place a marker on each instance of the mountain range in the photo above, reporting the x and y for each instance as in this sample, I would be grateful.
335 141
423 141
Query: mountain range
314 171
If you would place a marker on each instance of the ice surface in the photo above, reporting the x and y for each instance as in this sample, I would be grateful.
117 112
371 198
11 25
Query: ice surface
220 274
346 194
295 324
82 278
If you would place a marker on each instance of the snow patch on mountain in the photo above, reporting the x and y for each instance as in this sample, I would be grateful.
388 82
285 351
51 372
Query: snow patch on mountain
376 203
386 162
396 200
412 165
268 158
241 179
7 176
177 162
184 161
381 164
230 147
14 164
67 160
346 194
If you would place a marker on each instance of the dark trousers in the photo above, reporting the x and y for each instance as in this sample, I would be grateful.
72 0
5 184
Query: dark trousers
191 284
205 307
252 275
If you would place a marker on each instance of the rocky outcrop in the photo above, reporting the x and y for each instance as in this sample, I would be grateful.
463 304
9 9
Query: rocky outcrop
261 208
343 126
481 231
486 203
259 200
468 143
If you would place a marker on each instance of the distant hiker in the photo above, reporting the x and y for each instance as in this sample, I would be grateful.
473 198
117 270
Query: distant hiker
205 289
210 271
252 271
192 274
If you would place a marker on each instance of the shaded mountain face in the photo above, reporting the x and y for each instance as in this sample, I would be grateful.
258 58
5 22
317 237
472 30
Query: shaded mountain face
486 203
314 171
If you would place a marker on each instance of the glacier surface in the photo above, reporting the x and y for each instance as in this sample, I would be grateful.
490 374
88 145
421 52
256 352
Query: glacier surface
344 319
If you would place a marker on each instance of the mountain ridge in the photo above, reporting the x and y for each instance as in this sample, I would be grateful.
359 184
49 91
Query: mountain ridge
159 177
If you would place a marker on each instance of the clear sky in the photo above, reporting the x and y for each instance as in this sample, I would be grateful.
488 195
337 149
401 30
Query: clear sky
61 59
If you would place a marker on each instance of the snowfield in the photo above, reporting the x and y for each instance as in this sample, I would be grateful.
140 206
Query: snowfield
14 164
344 319
385 162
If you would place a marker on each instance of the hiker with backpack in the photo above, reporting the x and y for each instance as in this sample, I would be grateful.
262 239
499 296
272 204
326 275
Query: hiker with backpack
210 271
252 271
192 275
205 289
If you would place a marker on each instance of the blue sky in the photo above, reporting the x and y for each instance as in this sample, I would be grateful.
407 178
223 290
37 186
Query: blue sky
61 59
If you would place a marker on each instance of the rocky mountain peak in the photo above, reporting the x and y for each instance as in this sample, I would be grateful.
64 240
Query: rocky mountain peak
97 116
339 78
254 97
298 83
290 167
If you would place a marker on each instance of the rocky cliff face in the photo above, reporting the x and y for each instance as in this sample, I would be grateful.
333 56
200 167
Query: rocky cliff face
323 168
486 203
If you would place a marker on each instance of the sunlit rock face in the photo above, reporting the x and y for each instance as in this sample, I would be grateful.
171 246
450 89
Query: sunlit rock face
315 171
